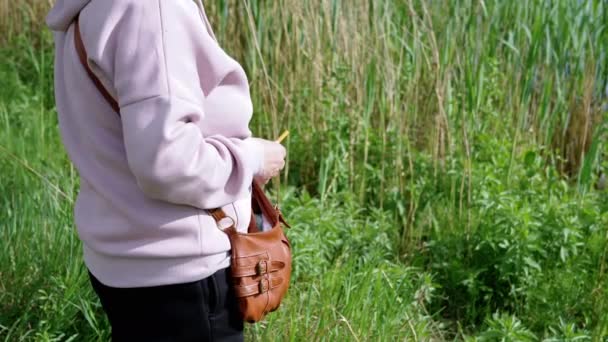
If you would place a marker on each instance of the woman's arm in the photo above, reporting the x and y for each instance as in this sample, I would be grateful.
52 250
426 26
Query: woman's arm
158 85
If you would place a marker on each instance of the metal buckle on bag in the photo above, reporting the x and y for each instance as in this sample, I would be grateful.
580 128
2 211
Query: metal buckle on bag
264 285
261 267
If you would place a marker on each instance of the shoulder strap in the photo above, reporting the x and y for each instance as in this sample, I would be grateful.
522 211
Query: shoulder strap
259 203
82 55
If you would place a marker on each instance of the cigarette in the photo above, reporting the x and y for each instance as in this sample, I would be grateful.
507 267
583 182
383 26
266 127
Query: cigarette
282 137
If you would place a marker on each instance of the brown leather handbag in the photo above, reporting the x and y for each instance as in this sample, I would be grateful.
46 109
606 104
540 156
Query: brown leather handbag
260 259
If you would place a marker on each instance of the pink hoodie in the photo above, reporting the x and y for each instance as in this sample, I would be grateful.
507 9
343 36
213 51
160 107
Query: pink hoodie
181 146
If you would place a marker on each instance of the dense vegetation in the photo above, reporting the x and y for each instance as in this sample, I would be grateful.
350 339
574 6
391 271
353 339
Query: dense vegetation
445 180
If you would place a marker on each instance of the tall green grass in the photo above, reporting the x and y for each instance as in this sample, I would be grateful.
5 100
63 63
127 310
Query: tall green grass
445 154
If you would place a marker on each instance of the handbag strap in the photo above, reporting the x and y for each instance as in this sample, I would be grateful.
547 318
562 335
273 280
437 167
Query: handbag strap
260 201
218 214
84 60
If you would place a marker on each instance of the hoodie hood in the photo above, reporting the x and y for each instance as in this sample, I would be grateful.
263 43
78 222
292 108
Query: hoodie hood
63 13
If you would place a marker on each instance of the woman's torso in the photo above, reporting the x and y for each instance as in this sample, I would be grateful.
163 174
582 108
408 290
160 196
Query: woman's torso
129 238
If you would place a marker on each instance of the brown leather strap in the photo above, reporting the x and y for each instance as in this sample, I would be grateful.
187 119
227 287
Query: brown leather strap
259 200
267 209
263 286
84 60
217 214
253 226
261 268
224 222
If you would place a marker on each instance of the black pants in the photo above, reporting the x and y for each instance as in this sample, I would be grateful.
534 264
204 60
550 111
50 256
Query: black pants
205 310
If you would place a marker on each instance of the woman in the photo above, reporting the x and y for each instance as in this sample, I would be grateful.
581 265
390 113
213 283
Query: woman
181 145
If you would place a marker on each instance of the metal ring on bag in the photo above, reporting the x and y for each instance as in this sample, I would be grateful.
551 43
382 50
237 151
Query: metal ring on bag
221 224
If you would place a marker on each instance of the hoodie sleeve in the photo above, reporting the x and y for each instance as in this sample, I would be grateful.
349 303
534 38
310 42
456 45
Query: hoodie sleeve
158 45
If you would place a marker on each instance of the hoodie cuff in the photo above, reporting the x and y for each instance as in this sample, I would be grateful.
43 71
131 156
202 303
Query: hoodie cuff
255 155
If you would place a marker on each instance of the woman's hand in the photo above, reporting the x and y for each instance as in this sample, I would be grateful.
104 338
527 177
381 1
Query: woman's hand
274 160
